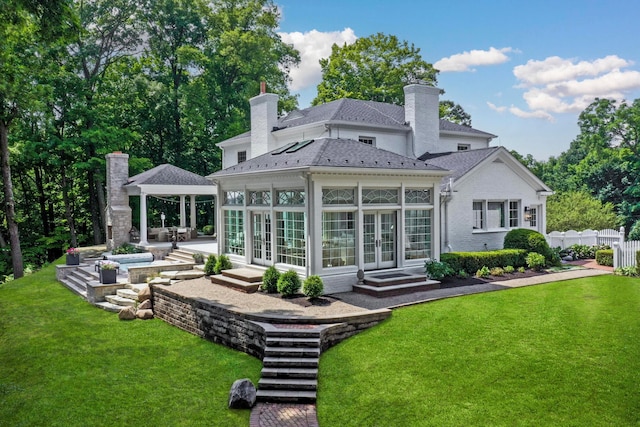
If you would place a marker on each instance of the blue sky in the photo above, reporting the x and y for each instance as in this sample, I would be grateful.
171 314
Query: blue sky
523 70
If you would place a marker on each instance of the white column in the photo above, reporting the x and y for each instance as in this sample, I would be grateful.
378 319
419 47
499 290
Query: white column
183 211
192 215
143 219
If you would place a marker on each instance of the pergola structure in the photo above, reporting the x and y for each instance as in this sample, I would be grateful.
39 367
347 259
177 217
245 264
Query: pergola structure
168 180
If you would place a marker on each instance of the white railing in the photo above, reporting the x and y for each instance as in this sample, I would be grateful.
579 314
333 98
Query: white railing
587 237
624 254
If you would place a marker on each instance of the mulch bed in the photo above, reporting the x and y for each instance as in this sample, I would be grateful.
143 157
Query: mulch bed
453 282
303 301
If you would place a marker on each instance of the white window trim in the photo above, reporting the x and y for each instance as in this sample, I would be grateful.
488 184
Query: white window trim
485 219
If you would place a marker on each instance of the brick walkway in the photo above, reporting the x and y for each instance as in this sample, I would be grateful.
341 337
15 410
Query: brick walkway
283 415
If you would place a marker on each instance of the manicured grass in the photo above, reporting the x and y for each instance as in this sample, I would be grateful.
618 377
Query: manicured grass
64 362
566 353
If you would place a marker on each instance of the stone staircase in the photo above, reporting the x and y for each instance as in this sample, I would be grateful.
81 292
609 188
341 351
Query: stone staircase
389 284
242 279
290 364
126 297
180 255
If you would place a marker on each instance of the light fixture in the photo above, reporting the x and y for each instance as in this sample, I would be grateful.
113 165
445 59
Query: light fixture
527 213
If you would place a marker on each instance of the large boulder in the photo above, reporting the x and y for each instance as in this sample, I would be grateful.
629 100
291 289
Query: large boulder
144 294
127 313
144 314
242 394
145 305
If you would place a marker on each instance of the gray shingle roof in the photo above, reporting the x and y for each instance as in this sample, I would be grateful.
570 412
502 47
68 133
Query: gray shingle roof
328 152
167 175
460 162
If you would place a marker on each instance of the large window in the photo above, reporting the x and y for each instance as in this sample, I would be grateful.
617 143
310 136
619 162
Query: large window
495 215
234 198
417 231
290 238
234 232
338 239
417 197
259 198
379 196
338 196
290 197
491 215
514 214
478 215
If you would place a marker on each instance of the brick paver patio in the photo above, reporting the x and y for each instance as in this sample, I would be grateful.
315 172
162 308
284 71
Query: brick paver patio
283 415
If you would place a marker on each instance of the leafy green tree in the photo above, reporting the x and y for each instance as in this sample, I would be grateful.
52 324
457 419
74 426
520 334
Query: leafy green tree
578 210
374 68
454 113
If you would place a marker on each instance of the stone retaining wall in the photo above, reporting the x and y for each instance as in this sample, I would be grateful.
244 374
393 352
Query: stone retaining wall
244 331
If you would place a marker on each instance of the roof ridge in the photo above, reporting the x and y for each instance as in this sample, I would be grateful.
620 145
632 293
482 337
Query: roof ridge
368 104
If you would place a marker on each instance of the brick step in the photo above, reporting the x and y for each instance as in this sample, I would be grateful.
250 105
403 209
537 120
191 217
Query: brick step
291 352
116 300
310 373
286 396
249 275
395 290
290 362
287 384
293 342
240 285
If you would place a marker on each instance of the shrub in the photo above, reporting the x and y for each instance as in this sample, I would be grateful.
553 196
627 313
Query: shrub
473 261
126 248
270 280
208 230
312 287
509 269
604 257
198 258
497 271
536 261
531 241
223 263
462 274
483 272
209 266
521 270
630 271
288 283
437 270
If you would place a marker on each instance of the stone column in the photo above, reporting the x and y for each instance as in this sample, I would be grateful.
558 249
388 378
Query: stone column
183 211
143 219
118 218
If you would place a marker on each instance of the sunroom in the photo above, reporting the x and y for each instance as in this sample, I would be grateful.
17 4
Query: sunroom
330 207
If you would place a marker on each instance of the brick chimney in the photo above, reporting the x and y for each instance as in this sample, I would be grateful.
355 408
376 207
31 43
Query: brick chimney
264 117
118 220
422 113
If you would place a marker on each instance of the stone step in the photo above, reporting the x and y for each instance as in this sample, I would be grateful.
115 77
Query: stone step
287 384
245 274
137 287
73 287
286 396
393 278
312 342
395 290
79 283
291 352
127 293
181 257
290 362
240 285
285 332
310 373
124 302
188 274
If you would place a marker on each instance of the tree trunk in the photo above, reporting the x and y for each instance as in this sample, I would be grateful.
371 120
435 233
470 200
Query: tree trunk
68 212
94 207
42 201
14 235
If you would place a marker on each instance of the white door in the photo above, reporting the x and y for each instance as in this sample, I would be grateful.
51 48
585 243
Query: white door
379 239
261 225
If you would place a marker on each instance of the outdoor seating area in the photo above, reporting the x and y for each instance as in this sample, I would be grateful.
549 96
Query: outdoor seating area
182 234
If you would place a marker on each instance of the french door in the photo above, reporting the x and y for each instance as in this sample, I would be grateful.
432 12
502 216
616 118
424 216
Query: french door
380 239
261 225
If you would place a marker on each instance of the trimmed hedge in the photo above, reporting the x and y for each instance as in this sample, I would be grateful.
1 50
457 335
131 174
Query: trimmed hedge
531 241
270 280
471 262
605 257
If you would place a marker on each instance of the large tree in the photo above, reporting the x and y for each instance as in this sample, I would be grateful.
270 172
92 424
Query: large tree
374 68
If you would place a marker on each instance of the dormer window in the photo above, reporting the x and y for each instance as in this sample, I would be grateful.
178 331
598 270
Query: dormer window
369 140
242 156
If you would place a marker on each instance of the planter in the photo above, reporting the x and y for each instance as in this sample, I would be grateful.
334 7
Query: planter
107 276
73 259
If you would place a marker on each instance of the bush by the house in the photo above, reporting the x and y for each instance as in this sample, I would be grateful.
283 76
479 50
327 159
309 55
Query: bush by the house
497 271
270 280
223 263
536 261
462 274
288 283
630 271
531 241
208 230
483 272
509 269
521 270
313 287
210 265
605 257
437 270
473 261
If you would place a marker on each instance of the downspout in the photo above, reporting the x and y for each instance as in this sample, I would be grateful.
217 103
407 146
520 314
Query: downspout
445 197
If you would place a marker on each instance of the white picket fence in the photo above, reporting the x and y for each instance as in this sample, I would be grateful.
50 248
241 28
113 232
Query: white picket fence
624 253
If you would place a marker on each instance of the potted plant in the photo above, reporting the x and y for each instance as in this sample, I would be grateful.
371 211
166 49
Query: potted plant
198 258
108 272
73 256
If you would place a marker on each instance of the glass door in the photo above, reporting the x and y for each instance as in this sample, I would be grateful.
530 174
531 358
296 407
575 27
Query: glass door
379 239
261 223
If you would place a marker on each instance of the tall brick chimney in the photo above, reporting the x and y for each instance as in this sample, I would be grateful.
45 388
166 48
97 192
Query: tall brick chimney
264 117
422 113
118 218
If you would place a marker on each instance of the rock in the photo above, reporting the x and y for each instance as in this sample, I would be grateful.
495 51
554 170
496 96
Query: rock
242 394
145 305
160 281
127 313
568 258
144 314
144 294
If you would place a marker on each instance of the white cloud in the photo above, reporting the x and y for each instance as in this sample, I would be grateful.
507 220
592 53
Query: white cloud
555 69
313 45
496 108
467 60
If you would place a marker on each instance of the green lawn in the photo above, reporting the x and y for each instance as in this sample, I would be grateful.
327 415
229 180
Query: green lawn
64 362
561 354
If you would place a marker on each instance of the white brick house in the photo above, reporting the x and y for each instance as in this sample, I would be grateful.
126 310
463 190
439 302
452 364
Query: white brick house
360 185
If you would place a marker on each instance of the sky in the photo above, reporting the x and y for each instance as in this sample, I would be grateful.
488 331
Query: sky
524 71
